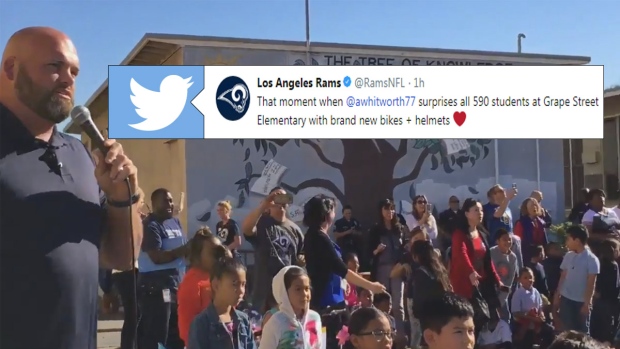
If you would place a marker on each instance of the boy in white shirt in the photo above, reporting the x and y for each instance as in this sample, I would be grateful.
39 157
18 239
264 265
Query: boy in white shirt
496 334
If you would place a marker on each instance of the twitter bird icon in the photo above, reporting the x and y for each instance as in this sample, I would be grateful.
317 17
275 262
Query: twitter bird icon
154 102
160 109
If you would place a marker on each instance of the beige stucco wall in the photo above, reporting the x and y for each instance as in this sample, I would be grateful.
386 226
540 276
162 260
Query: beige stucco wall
612 106
161 163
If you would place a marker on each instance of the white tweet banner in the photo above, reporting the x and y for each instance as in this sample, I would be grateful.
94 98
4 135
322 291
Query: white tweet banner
455 102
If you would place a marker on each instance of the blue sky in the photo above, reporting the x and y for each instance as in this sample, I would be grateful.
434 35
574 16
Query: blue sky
104 31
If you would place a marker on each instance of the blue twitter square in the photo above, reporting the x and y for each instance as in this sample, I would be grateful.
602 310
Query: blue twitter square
154 102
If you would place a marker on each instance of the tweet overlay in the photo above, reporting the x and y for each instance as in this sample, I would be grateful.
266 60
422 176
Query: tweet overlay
455 102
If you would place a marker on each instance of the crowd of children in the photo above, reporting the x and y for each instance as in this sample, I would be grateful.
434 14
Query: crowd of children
549 293
573 288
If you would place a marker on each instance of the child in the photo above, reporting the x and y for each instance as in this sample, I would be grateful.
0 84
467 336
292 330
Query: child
383 302
527 308
369 328
605 309
406 264
580 266
365 299
576 340
220 325
540 278
430 279
271 307
551 265
294 326
350 292
496 334
448 322
505 262
194 293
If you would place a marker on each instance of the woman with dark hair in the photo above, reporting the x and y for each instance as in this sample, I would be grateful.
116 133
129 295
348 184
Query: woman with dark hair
326 267
385 243
471 265
324 262
422 216
530 228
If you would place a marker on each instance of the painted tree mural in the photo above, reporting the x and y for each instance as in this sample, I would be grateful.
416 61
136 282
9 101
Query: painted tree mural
367 167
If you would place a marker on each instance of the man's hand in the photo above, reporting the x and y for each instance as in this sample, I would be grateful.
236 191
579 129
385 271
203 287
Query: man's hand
512 193
112 170
268 202
376 288
301 260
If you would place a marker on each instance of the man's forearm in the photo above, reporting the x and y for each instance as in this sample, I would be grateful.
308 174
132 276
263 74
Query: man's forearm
250 221
116 248
502 208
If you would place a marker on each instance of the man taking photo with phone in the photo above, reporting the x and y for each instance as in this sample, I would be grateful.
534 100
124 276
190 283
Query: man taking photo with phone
277 241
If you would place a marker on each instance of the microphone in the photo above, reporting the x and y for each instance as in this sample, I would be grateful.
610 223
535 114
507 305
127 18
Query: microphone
81 116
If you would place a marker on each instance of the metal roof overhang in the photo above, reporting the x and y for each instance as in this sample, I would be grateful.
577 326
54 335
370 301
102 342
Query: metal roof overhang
154 49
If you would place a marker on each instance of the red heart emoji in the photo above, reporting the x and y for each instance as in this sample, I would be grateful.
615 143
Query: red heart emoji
459 117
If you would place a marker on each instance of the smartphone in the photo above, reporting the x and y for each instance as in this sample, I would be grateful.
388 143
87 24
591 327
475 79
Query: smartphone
514 185
283 199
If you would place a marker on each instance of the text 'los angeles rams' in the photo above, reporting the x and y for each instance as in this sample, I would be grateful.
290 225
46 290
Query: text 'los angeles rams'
300 83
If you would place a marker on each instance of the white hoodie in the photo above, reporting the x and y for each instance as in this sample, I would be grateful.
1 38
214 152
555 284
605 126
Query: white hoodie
284 330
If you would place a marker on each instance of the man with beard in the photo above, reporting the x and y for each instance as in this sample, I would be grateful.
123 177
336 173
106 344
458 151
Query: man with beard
62 211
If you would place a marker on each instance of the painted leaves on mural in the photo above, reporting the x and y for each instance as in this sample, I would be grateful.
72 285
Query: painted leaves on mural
204 218
478 149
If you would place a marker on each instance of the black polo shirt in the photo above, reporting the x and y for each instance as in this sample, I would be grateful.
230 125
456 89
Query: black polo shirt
51 221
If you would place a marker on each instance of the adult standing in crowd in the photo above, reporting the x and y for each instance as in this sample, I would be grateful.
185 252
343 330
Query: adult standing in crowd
580 207
277 243
162 266
62 213
447 222
325 265
347 232
385 243
497 215
471 265
530 228
422 216
227 229
598 212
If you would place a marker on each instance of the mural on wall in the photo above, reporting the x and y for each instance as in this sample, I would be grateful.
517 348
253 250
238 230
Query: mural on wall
367 169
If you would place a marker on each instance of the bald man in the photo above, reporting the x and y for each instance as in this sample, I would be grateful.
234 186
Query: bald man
61 213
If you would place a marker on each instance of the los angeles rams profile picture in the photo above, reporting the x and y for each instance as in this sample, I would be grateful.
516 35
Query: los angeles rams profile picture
232 98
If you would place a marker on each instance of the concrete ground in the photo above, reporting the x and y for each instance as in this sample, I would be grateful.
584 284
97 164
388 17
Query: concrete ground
109 331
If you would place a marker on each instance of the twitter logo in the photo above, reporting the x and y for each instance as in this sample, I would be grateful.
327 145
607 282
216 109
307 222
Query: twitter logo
154 102
160 109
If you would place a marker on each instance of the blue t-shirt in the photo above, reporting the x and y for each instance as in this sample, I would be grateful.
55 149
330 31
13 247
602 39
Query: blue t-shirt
493 224
161 235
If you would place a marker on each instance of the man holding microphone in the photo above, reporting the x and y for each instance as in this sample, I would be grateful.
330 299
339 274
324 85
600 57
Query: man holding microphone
63 211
